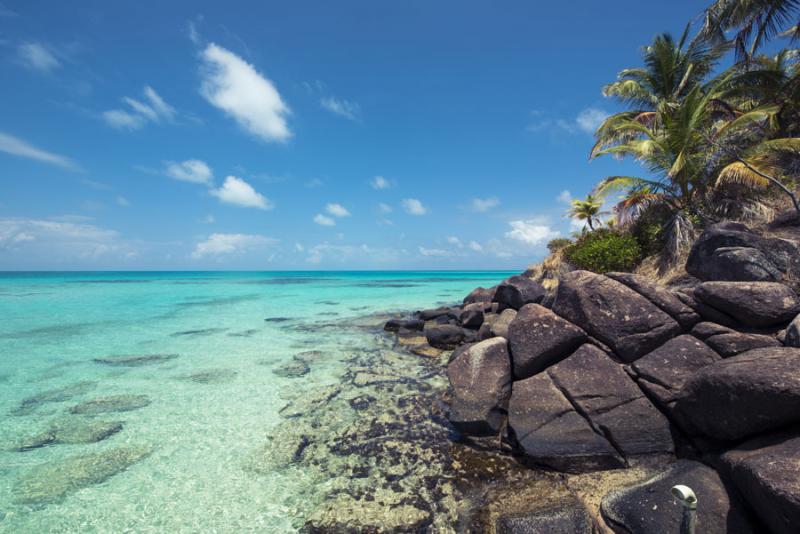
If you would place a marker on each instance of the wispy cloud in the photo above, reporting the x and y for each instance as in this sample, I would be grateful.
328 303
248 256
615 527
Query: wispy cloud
37 56
314 183
587 121
237 88
191 170
482 205
237 192
564 197
475 246
324 220
225 244
343 108
384 208
530 232
434 252
152 109
413 206
453 240
337 210
18 147
122 201
379 182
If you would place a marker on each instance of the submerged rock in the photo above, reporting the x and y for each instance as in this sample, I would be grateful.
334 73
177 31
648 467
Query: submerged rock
650 508
345 513
210 376
71 430
308 403
113 403
136 360
292 369
31 404
53 481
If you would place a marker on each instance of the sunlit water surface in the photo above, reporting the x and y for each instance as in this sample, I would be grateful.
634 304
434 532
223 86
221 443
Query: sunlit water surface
198 428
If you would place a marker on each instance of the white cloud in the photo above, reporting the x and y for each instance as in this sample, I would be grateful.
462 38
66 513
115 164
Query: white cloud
413 206
474 245
530 232
37 57
235 87
341 107
565 197
314 184
17 147
323 220
337 210
191 170
239 193
482 205
122 201
219 244
590 119
384 208
453 240
209 219
299 247
343 254
155 109
379 182
434 252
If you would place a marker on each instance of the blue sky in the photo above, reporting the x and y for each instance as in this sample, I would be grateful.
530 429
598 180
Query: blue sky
304 135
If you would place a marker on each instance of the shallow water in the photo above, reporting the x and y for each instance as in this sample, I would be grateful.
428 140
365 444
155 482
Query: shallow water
185 362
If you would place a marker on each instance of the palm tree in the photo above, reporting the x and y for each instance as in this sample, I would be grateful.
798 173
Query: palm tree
588 209
754 21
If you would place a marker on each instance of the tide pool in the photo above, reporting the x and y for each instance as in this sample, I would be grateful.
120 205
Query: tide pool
159 402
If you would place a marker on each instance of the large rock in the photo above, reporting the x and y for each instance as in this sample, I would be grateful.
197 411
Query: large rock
793 333
661 297
649 507
502 322
545 427
618 316
481 379
753 392
733 343
472 315
766 471
604 393
480 294
706 312
444 336
395 325
730 251
435 313
517 291
663 372
539 338
754 304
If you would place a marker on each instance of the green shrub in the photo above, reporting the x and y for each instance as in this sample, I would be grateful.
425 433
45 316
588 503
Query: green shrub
558 243
603 250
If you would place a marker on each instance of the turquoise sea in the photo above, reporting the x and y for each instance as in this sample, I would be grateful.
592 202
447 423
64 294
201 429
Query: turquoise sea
157 401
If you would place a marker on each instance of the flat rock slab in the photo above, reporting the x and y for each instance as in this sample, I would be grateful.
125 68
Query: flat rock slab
114 403
480 376
210 376
606 394
610 311
649 507
72 430
753 304
733 343
766 471
53 481
753 392
538 338
659 296
550 432
663 372
138 360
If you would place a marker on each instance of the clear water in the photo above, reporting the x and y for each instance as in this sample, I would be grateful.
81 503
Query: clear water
201 431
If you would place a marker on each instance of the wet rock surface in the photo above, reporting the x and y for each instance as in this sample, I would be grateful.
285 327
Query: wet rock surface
53 481
294 368
71 430
138 360
63 394
210 376
113 403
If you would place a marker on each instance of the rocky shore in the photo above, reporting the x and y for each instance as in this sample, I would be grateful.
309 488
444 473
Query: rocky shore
612 389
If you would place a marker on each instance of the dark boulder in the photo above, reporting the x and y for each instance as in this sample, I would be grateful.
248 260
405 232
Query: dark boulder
480 376
480 294
733 343
721 253
444 336
766 471
545 427
603 392
517 291
663 372
502 322
394 325
435 313
472 315
753 392
792 338
754 304
706 312
659 296
539 338
613 313
706 329
650 508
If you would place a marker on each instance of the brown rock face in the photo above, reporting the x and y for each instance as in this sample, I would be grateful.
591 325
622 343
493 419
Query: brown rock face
539 338
753 392
621 318
517 291
480 375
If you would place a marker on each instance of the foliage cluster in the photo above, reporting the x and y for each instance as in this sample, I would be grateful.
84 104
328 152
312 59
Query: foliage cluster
604 251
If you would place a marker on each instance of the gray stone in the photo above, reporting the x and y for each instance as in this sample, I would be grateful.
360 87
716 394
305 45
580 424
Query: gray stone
480 377
292 369
649 507
517 291
755 304
538 338
733 343
792 338
113 403
31 404
444 336
660 296
136 360
72 430
393 325
613 313
472 315
502 322
210 376
480 294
